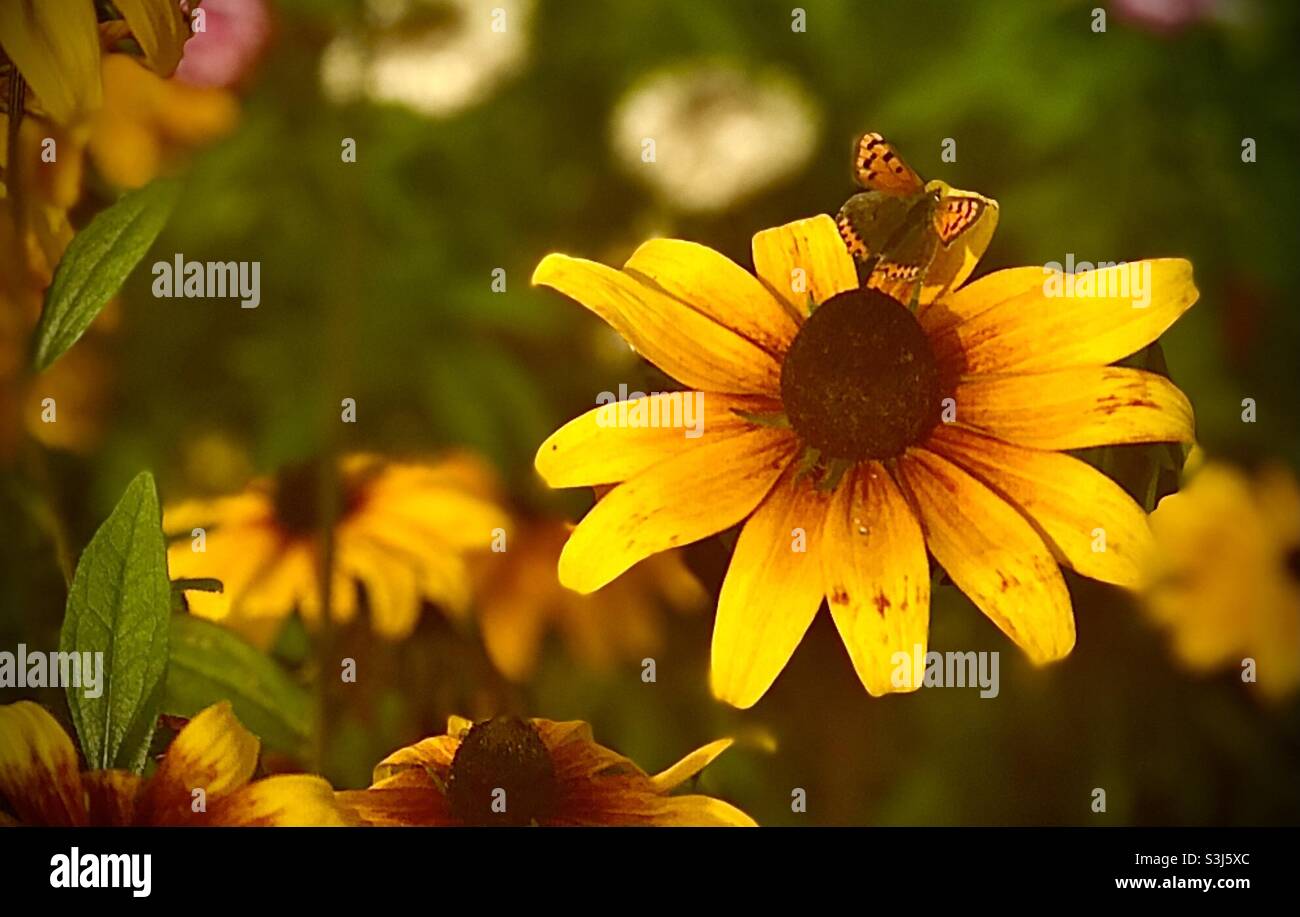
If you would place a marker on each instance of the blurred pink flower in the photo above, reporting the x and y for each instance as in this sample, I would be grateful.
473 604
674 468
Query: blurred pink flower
224 53
1166 16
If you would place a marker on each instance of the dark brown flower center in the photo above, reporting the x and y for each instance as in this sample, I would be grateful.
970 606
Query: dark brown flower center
860 380
502 774
1291 560
298 498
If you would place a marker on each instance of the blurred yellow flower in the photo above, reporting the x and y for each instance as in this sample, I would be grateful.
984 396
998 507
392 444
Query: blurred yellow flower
1225 580
34 226
42 785
55 46
512 771
76 83
402 532
64 407
849 436
146 122
104 83
520 600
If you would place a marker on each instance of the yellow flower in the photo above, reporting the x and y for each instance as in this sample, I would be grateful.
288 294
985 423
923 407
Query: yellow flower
519 601
40 781
56 46
1226 577
512 771
850 439
104 84
62 74
146 121
401 531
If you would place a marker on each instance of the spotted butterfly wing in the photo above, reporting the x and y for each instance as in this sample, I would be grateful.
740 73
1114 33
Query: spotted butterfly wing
956 213
900 270
878 167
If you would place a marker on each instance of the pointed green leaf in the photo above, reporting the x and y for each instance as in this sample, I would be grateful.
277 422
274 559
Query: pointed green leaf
119 605
95 266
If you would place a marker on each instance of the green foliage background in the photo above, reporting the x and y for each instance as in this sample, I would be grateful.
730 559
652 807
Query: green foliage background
375 279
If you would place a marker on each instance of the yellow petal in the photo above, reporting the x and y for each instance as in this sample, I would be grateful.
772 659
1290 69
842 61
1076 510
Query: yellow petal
1077 408
802 259
668 780
953 264
111 797
461 471
237 556
597 448
686 344
55 45
56 186
691 496
457 726
444 581
146 120
253 506
513 622
993 555
282 585
286 800
1221 583
1278 497
1089 521
408 799
213 752
1040 332
161 30
39 775
771 593
454 521
877 579
698 812
718 287
429 505
343 598
391 588
432 754
974 298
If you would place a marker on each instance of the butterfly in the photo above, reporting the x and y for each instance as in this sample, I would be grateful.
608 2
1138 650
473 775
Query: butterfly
907 234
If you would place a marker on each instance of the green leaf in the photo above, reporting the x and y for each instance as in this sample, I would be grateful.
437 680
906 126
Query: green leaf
209 663
119 605
96 264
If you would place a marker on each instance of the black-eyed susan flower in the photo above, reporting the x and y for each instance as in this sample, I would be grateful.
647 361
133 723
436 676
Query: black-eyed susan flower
849 435
520 602
401 533
1225 578
514 771
205 778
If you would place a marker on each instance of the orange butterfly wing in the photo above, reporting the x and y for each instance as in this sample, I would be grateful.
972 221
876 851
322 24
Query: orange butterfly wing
878 167
955 214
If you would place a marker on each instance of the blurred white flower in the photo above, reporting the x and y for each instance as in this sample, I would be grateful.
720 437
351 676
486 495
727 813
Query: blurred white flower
719 134
437 57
